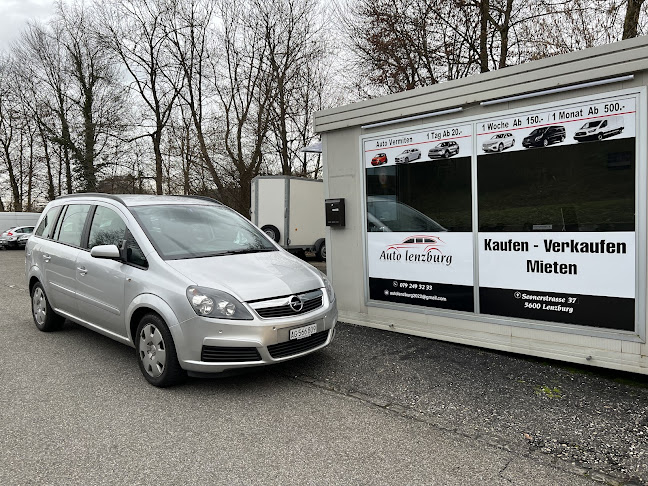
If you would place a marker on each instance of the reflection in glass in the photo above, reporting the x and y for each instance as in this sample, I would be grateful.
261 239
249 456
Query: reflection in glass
425 196
585 187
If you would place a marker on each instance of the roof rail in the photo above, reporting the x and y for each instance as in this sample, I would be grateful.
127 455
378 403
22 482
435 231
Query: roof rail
91 194
203 198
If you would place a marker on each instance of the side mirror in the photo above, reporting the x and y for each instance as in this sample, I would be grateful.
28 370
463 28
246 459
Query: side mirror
110 252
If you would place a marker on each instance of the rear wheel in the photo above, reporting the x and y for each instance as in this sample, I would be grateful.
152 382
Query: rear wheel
45 318
271 231
321 252
156 353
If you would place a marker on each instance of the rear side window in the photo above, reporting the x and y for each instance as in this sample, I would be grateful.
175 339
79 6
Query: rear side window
47 223
70 227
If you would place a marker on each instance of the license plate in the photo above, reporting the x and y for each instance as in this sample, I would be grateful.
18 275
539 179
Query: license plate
303 332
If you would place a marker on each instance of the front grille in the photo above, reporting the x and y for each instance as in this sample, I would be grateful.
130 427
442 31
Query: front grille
311 301
227 354
290 348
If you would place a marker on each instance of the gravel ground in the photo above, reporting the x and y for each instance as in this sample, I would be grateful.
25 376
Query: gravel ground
592 420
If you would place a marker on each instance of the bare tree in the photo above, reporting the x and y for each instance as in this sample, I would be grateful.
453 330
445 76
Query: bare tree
631 21
134 30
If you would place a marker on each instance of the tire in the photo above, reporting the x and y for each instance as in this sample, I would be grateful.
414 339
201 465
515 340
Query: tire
599 137
562 139
45 318
545 142
272 232
156 353
321 252
500 147
446 154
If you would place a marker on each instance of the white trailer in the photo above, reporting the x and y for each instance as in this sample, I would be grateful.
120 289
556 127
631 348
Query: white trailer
10 219
291 211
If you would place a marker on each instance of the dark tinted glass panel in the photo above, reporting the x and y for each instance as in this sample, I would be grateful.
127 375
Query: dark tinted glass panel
134 253
423 196
588 186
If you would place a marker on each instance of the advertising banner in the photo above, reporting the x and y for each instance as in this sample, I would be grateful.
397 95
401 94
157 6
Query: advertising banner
571 124
434 270
419 146
556 213
579 278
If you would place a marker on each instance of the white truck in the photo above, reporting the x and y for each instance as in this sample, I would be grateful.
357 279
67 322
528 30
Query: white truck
290 210
10 219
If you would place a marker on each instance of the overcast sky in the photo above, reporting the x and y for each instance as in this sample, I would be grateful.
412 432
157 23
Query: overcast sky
14 15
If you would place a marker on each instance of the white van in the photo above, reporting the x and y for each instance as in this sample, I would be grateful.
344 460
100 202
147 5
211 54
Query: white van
600 129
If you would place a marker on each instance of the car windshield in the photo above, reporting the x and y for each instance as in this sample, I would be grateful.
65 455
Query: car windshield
499 135
537 131
197 231
593 124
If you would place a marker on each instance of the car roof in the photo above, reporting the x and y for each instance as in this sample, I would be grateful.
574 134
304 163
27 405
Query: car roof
131 200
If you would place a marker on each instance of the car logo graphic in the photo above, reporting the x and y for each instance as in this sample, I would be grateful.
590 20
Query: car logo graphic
296 303
426 243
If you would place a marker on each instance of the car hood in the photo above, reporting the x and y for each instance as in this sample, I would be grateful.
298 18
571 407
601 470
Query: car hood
251 276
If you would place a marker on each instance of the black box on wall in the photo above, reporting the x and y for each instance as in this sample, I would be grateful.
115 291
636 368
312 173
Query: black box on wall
335 214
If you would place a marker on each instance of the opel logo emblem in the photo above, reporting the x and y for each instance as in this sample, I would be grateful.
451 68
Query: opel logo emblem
296 303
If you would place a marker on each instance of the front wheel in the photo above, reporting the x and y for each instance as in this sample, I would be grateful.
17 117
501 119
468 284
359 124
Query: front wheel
545 142
156 353
45 318
500 147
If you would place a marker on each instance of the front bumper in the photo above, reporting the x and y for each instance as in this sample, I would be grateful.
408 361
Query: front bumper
251 338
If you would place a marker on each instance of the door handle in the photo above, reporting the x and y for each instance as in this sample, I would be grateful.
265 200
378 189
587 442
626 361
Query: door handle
47 257
82 271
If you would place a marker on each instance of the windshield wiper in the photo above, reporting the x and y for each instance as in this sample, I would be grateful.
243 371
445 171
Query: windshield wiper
249 250
229 252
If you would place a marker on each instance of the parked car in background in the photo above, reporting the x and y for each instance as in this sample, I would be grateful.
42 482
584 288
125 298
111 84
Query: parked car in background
407 156
543 136
191 284
385 214
22 240
499 142
379 159
11 238
444 149
600 129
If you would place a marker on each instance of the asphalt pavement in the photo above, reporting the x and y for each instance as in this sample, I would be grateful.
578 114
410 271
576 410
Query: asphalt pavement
373 408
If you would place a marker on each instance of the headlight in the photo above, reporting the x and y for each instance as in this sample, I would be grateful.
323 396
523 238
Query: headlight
329 288
538 138
216 303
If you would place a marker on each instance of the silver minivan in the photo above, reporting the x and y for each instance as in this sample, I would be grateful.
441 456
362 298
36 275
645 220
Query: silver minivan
192 285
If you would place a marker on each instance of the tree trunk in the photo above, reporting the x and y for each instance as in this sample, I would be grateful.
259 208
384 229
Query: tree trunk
13 182
632 19
484 7
504 34
157 137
